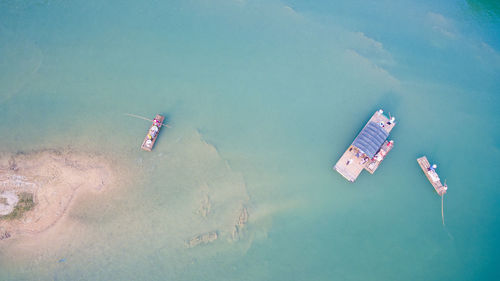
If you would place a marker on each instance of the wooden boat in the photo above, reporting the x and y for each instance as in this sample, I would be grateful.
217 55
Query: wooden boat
432 176
153 132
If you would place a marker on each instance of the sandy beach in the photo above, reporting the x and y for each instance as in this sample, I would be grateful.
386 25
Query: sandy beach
49 181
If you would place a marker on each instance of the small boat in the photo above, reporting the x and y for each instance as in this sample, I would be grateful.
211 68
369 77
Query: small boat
152 135
432 176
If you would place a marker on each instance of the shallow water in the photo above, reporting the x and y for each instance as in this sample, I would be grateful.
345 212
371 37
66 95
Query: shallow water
278 90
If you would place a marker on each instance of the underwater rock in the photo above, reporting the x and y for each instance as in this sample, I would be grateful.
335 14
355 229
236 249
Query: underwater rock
203 238
4 234
205 207
242 221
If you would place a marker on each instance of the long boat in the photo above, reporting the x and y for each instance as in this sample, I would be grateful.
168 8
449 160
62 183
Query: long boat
432 176
153 132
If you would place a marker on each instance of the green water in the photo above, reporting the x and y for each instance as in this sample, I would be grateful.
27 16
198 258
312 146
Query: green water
263 98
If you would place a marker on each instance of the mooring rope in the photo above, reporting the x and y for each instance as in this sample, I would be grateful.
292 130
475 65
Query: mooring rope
144 118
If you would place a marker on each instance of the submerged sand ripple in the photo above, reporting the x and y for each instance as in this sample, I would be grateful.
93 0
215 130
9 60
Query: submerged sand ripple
53 177
206 201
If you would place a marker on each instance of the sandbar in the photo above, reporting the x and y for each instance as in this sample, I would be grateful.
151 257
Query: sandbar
46 182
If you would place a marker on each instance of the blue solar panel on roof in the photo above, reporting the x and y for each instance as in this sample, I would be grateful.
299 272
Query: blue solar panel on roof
370 139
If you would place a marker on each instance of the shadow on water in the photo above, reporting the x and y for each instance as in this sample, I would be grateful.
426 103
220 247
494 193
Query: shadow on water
167 119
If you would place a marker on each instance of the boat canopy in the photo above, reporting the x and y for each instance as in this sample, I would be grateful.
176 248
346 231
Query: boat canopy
370 139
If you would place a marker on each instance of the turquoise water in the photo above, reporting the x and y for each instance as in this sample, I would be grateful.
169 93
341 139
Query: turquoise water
280 89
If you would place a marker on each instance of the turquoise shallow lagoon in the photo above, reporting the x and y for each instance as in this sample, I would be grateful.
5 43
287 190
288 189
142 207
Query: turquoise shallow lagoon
263 98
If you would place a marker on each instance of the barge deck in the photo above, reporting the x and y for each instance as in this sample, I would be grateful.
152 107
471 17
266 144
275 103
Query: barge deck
368 149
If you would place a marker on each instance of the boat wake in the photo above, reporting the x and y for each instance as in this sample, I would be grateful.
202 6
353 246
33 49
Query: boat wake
442 211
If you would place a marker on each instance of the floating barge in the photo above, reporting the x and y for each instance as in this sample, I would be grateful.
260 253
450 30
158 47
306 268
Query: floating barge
152 135
432 176
368 149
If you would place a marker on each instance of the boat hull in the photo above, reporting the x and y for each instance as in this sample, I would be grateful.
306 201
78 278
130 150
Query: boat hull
148 146
431 176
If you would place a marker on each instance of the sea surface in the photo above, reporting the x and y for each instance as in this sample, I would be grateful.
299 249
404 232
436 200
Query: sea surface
262 97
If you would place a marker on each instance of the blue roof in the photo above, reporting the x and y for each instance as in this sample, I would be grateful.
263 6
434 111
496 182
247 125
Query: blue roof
370 139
